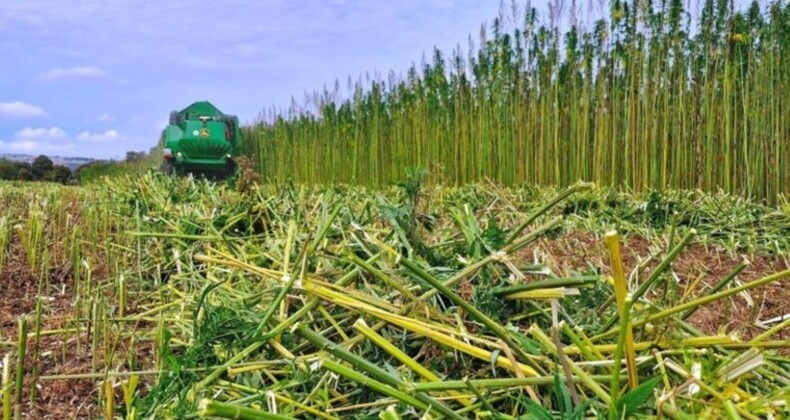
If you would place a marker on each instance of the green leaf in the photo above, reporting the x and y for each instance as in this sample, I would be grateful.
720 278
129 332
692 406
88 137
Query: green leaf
563 396
529 345
391 212
578 413
536 411
630 403
494 356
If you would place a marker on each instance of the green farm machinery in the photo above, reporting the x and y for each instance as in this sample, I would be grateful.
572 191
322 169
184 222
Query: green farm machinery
200 139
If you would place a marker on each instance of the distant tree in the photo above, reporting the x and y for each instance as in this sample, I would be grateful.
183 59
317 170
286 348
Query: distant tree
7 169
132 156
61 174
41 167
25 174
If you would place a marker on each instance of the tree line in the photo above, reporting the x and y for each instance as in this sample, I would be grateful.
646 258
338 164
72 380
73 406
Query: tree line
40 169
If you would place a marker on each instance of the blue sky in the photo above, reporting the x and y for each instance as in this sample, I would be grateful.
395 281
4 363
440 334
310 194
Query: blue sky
96 78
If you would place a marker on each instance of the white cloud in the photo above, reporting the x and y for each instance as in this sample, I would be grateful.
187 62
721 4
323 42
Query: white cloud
41 140
24 146
21 109
55 140
35 147
81 72
108 135
28 133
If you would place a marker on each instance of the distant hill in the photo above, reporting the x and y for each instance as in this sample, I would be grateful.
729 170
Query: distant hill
68 161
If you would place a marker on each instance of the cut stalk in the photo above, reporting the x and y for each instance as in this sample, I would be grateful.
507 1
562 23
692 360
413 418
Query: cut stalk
654 276
373 370
612 241
362 327
720 285
7 387
20 362
547 284
584 378
500 383
209 408
696 303
109 398
579 186
497 329
375 385
614 388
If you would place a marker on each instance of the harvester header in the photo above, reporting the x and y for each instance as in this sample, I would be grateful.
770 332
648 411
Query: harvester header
201 139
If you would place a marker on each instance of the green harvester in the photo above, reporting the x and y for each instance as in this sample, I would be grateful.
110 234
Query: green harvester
200 139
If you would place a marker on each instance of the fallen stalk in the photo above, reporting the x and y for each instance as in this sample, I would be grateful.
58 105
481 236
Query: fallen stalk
702 301
498 383
209 408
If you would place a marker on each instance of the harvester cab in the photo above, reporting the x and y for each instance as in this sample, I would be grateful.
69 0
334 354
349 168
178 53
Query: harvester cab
200 139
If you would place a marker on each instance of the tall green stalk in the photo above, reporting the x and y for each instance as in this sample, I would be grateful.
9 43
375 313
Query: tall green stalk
638 99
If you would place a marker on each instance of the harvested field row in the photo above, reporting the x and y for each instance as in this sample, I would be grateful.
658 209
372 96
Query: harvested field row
156 297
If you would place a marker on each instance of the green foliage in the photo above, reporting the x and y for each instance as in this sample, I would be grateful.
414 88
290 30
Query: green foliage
97 170
222 332
41 166
634 400
404 215
41 169
136 163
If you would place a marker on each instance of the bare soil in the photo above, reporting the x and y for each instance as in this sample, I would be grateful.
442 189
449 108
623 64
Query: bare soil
696 269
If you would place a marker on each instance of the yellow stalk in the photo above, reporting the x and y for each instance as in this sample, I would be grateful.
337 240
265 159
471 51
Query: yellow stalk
286 273
251 368
706 341
367 298
688 343
109 399
696 303
773 330
663 369
607 348
586 340
692 287
456 344
583 348
552 293
129 388
429 332
584 377
347 301
426 330
229 260
303 407
332 321
280 349
362 327
612 241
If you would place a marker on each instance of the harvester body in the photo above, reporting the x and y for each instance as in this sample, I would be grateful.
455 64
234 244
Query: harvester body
201 139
